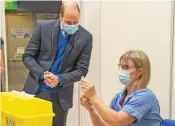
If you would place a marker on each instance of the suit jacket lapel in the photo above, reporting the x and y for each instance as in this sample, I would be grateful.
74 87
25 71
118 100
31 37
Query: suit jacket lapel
55 31
69 47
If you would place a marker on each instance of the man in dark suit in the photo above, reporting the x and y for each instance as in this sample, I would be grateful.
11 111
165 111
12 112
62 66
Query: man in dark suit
57 55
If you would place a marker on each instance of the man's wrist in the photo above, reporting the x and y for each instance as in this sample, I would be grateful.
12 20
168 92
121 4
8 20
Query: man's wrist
41 76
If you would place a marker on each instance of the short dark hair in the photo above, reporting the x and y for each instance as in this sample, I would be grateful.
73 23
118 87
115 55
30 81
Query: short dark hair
62 8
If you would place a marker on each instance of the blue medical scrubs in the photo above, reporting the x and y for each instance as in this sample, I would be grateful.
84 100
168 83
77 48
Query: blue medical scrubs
142 104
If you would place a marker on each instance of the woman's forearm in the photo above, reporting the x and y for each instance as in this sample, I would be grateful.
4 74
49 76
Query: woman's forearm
106 113
96 119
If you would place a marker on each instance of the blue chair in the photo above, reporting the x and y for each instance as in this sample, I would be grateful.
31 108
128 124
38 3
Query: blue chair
168 122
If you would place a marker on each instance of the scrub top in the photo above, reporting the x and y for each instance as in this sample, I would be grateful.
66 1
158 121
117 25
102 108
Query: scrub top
142 104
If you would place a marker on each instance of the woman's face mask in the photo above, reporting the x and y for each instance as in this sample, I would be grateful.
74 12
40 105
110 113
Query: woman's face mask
124 77
128 73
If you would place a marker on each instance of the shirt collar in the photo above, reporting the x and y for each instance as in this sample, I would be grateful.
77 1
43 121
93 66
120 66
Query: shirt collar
61 25
62 30
132 92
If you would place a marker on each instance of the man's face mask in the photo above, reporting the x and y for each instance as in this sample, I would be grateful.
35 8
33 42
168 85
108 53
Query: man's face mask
70 29
70 22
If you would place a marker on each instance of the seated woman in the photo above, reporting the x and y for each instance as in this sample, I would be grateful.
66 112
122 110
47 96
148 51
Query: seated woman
136 105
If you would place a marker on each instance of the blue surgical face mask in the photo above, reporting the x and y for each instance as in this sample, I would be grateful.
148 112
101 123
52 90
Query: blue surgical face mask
124 77
70 29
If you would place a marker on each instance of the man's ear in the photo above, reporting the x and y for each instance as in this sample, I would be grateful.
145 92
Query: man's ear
60 17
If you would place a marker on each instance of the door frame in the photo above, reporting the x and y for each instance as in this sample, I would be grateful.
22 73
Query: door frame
6 13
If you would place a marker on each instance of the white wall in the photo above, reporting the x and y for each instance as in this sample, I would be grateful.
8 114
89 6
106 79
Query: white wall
173 87
136 25
90 19
173 76
132 25
117 27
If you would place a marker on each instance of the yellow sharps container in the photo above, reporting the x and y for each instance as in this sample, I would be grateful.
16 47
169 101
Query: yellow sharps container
20 109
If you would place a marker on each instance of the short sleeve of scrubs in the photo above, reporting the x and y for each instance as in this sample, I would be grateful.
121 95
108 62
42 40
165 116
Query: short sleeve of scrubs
112 104
138 105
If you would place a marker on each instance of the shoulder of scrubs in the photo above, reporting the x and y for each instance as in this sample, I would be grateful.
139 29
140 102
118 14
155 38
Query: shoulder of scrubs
2 44
139 103
112 104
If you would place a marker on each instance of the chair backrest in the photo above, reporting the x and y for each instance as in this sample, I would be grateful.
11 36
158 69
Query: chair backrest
168 122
